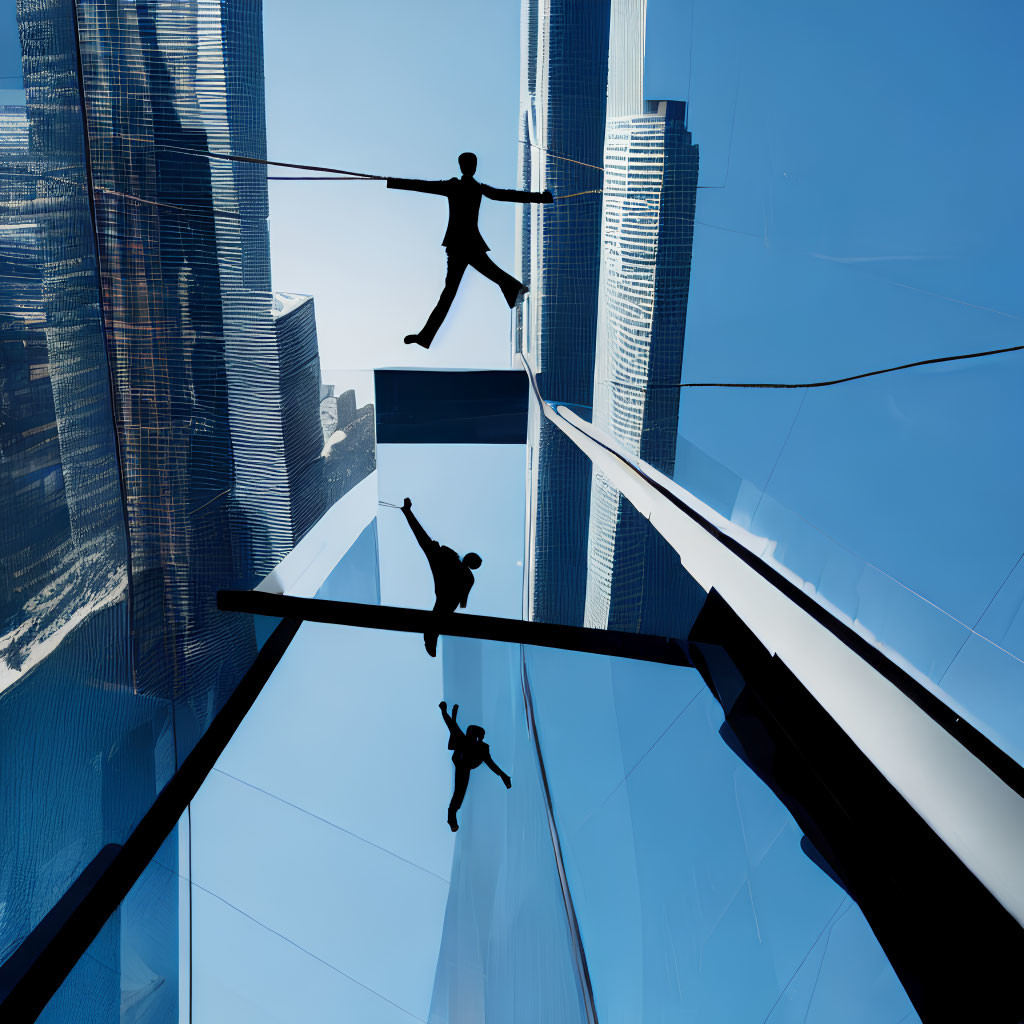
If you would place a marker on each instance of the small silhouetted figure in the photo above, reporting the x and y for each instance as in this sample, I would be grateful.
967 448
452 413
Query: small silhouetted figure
453 576
470 752
465 244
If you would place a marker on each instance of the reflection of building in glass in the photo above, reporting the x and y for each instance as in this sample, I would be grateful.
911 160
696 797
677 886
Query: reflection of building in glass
295 324
180 302
349 448
213 438
563 88
158 438
13 131
646 245
81 754
35 533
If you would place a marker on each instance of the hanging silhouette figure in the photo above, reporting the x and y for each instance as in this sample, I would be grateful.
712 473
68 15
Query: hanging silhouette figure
453 576
465 244
470 752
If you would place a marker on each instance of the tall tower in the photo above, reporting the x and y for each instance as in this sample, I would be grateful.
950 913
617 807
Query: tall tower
35 532
563 96
646 246
199 368
302 435
563 91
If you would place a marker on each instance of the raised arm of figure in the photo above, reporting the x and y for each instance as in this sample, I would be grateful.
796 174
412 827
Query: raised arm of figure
511 195
435 188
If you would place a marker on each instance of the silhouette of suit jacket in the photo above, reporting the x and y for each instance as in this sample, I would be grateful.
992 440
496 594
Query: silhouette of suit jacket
464 206
452 580
467 754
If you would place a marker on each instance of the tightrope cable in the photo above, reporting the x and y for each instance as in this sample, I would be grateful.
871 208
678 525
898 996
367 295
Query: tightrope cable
212 154
597 167
824 383
869 373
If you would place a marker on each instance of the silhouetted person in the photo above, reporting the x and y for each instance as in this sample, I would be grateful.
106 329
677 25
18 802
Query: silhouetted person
453 576
465 244
470 752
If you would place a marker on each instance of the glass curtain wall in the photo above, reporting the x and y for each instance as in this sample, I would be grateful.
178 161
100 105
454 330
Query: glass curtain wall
159 432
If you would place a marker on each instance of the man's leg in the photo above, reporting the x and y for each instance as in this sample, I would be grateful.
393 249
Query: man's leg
430 639
430 642
456 268
461 782
509 286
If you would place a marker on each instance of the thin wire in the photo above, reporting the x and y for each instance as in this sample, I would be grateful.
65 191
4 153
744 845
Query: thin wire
732 132
197 211
291 942
327 821
824 954
818 383
718 227
598 167
700 690
977 621
308 952
856 376
254 160
831 921
295 177
558 156
778 458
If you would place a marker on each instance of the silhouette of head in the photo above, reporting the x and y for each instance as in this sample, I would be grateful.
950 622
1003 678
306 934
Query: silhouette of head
467 163
474 733
472 560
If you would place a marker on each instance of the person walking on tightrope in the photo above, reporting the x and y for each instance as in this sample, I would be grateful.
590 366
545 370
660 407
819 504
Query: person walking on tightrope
453 576
470 752
465 244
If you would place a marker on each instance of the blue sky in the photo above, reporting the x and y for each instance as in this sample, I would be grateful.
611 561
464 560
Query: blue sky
348 730
393 88
862 210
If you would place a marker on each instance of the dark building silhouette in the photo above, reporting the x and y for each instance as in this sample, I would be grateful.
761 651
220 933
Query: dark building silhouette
563 98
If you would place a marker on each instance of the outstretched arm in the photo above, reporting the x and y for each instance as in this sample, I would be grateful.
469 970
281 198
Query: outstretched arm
436 188
510 195
449 720
497 771
422 537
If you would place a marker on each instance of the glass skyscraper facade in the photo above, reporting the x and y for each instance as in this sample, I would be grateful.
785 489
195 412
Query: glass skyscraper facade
159 440
563 96
298 405
650 191
790 789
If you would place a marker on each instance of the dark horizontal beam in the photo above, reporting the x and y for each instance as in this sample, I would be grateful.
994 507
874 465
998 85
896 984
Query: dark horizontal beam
483 627
451 406
31 976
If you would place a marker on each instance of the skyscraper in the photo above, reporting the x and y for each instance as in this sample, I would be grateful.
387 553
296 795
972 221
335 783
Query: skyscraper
295 326
207 428
563 93
646 246
157 425
64 541
35 534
